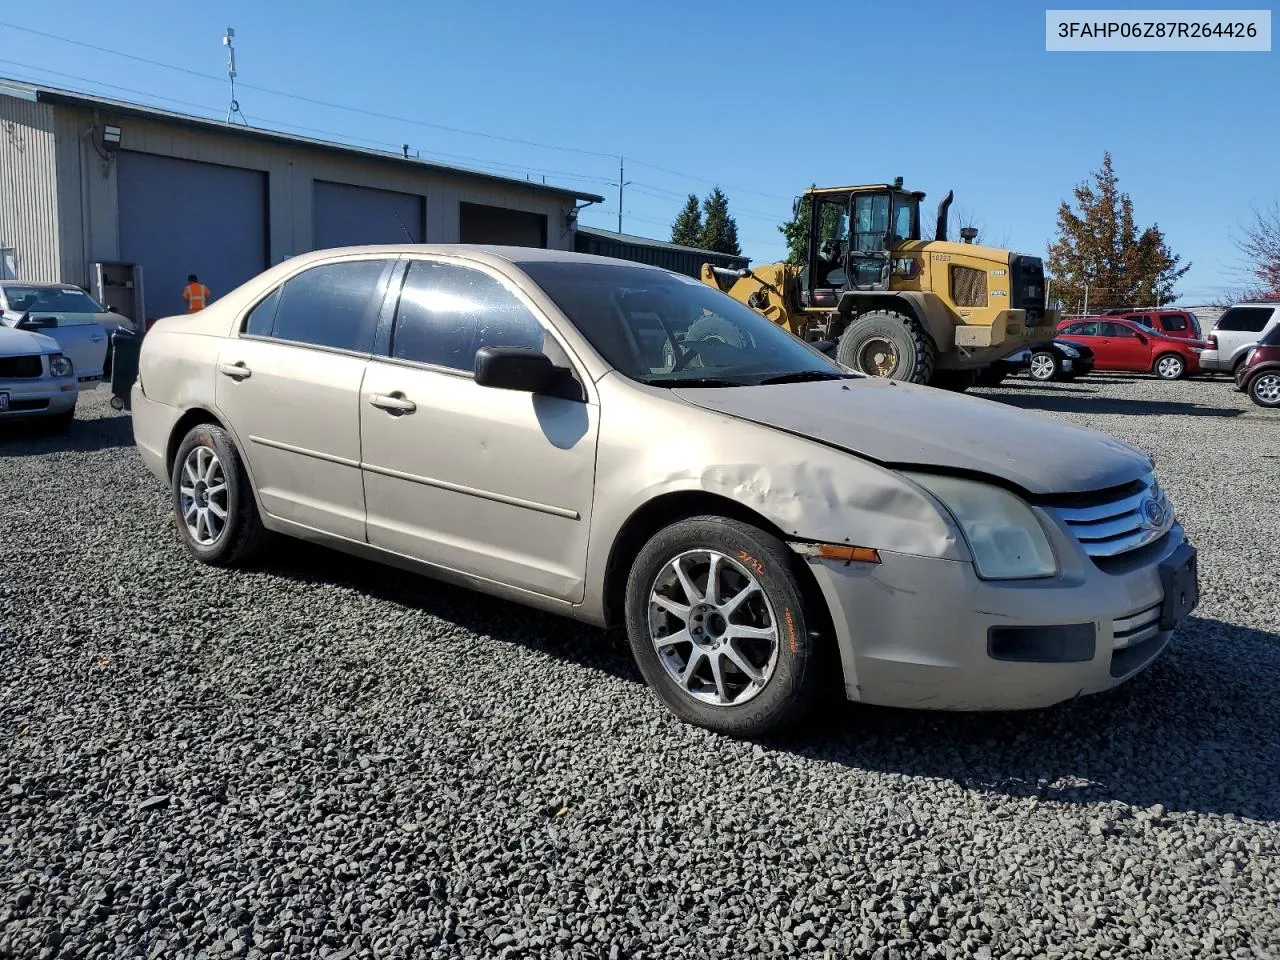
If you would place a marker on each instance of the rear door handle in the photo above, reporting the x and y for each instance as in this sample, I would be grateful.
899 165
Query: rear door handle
236 371
393 403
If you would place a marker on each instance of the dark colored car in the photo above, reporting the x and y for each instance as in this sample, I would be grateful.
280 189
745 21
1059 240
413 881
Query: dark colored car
1055 360
1259 375
1125 345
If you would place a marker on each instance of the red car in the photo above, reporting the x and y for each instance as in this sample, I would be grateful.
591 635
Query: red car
1259 374
1125 345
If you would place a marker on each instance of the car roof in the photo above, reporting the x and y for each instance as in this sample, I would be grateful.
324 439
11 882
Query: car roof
40 285
511 254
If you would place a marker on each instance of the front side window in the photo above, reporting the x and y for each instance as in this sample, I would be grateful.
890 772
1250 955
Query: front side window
1249 319
331 305
448 312
1083 329
665 329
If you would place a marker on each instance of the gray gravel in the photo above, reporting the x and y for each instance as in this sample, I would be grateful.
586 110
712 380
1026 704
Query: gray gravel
327 758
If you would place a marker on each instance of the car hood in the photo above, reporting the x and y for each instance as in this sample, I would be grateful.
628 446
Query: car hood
905 425
21 343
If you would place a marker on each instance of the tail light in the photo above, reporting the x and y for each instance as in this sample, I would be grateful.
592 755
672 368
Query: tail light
1213 342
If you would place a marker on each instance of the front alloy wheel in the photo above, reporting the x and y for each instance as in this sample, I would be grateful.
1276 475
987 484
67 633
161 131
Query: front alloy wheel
1044 366
720 629
713 628
1170 367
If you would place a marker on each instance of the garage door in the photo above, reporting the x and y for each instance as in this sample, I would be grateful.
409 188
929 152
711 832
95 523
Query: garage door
344 215
498 225
179 217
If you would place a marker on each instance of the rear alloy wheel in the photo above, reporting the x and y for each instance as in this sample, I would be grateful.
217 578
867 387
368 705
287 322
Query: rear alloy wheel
1170 366
1265 389
213 505
717 626
1044 366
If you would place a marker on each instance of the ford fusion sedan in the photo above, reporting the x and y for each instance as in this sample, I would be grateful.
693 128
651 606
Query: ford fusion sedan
625 445
37 382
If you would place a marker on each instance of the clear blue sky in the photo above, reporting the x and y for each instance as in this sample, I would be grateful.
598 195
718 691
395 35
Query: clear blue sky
761 98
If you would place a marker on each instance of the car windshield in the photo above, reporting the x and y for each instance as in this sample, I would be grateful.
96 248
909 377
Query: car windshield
667 329
1271 338
50 300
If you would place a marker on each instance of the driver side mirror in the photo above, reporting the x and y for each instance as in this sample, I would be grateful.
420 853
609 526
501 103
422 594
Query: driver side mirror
524 370
1142 338
37 323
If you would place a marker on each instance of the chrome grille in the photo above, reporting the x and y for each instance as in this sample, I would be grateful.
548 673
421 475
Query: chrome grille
1130 521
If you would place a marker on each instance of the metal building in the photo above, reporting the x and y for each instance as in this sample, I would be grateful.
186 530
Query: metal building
92 188
671 256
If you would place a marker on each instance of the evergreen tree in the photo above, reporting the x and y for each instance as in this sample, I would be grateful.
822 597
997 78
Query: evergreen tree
687 229
719 229
796 232
1100 245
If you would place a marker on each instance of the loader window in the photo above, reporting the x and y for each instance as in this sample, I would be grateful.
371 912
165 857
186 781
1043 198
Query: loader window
870 221
906 222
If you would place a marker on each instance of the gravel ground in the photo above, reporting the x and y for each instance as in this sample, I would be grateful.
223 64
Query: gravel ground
327 758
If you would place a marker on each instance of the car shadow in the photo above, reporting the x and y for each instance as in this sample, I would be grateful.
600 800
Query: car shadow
1115 746
1057 402
31 438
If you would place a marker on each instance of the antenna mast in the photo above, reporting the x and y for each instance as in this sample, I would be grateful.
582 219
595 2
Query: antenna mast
233 109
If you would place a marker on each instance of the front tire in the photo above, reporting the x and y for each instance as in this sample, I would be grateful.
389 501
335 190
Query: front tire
1044 366
883 343
717 623
1264 390
1170 366
213 504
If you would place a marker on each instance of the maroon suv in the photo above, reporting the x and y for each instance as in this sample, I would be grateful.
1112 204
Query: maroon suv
1259 374
1171 322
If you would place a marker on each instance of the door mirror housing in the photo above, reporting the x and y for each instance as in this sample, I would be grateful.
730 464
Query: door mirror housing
524 370
1142 337
37 323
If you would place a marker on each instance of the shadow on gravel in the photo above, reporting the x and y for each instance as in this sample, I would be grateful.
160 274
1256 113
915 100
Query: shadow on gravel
1186 734
546 633
31 438
1092 403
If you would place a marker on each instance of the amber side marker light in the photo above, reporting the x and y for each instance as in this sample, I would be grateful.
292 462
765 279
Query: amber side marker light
838 551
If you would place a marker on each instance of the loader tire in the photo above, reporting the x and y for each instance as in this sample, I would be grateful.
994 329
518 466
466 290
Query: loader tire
884 343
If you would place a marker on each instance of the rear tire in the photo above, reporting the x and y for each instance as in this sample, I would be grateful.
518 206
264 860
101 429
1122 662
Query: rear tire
756 616
1264 390
887 344
1170 366
213 504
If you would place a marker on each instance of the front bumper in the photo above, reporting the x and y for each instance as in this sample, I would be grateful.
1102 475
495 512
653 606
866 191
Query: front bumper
926 633
43 397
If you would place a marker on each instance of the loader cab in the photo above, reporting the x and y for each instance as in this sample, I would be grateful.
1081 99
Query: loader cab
852 233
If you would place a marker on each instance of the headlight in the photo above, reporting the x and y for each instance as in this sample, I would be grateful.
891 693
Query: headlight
60 366
1004 536
1069 350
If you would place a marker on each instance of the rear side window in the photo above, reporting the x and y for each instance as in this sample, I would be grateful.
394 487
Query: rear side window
1249 319
1112 329
447 312
262 318
1174 321
331 305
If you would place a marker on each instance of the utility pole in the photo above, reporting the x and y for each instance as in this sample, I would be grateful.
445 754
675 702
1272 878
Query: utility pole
1086 299
621 183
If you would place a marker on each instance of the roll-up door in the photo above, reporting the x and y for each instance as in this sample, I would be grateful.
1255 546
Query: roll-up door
480 223
344 215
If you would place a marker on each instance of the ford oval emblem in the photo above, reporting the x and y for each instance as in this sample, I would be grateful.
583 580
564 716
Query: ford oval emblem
1153 513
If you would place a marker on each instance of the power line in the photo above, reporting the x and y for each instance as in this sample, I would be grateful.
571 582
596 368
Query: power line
382 116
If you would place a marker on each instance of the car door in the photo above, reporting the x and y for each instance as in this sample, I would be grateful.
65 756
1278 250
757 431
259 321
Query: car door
289 385
497 484
79 337
1126 348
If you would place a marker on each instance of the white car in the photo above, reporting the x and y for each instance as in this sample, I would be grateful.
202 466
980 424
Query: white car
1235 334
37 380
81 326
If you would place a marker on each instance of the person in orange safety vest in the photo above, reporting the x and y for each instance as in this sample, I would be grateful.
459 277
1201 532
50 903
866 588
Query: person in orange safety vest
195 293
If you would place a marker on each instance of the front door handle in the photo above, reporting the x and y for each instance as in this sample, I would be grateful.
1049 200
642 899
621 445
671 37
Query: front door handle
393 403
236 371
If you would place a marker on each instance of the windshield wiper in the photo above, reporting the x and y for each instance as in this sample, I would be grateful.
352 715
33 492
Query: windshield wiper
802 376
697 382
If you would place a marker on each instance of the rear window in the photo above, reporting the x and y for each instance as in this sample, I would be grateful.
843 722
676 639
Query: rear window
1247 319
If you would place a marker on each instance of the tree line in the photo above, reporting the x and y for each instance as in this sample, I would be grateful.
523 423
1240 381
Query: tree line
707 224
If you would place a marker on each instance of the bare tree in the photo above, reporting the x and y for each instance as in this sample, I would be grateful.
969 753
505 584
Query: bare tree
1259 242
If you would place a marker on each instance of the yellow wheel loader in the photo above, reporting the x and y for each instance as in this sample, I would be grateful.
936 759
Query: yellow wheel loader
890 304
